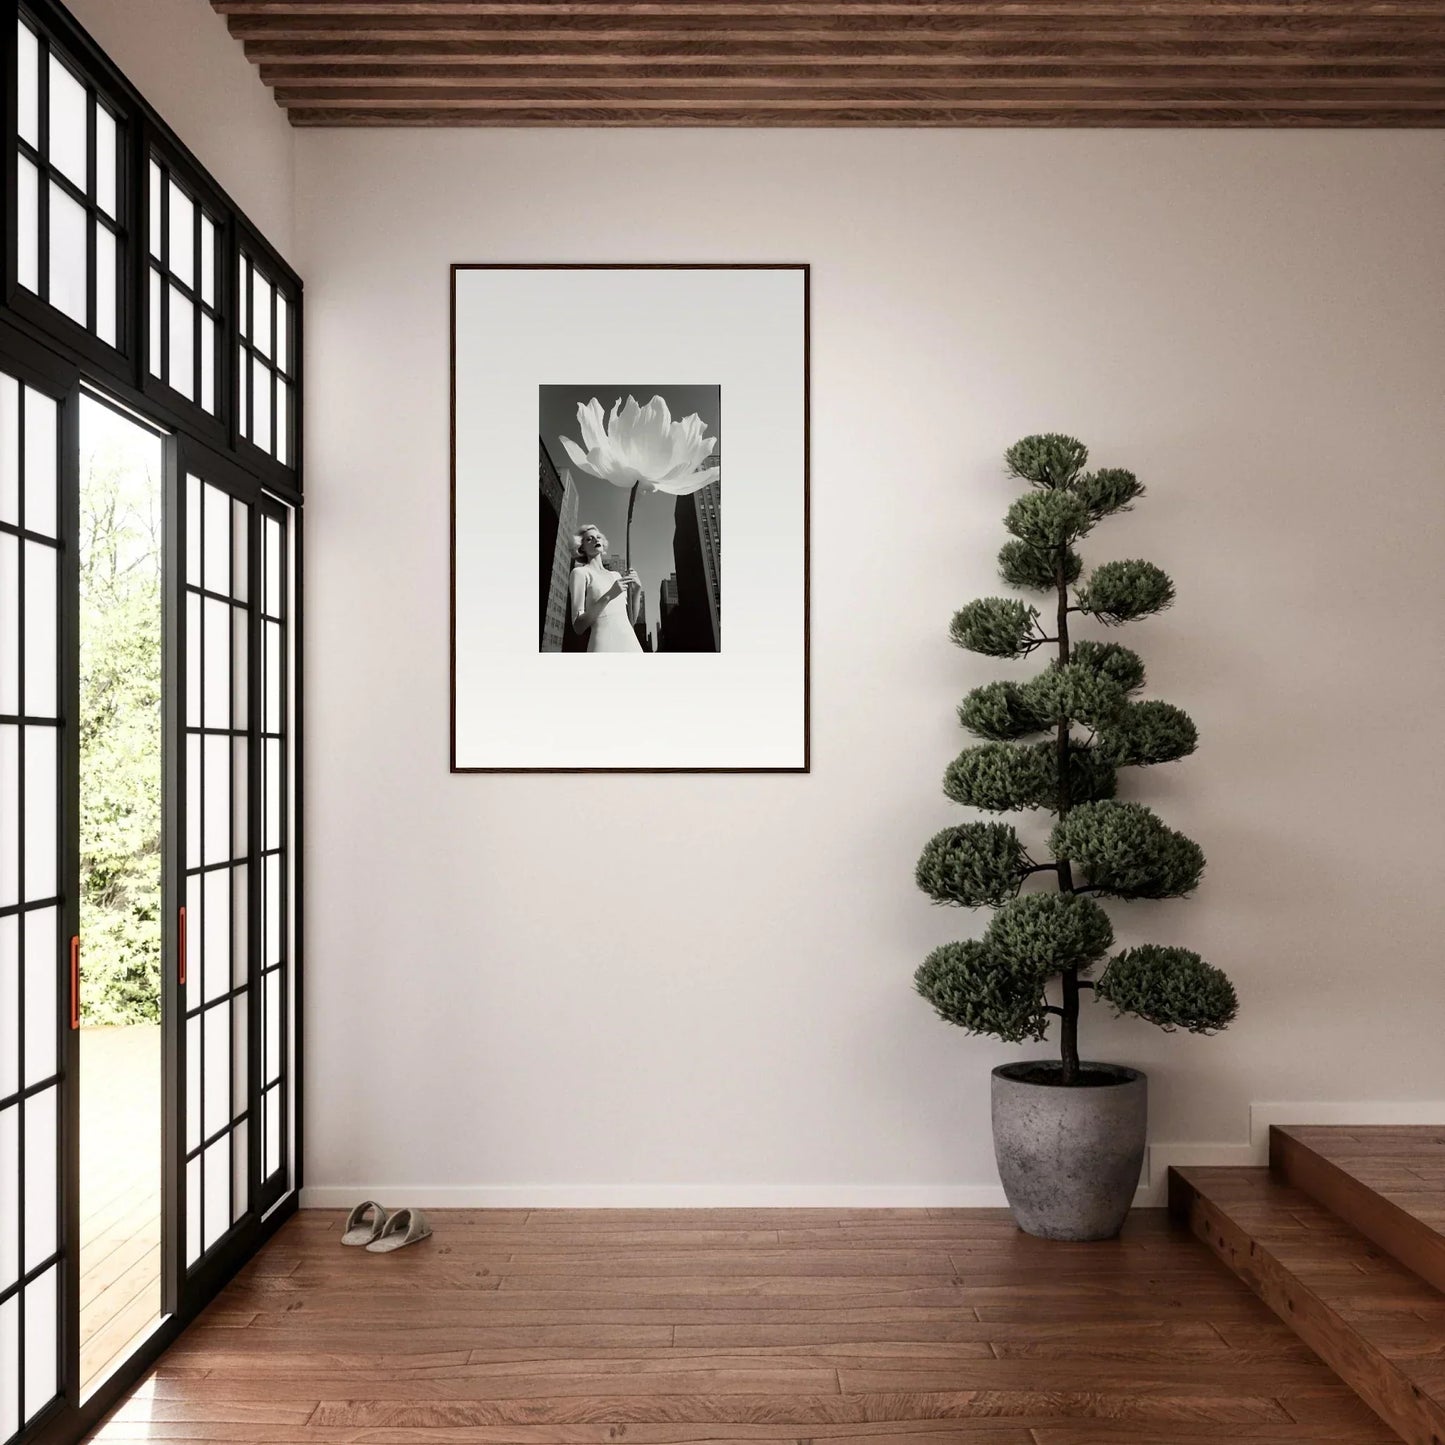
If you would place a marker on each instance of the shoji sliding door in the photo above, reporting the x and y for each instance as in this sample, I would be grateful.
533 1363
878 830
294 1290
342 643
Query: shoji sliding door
38 1001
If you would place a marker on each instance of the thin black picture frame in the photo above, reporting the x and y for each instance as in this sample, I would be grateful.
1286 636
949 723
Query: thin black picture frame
806 270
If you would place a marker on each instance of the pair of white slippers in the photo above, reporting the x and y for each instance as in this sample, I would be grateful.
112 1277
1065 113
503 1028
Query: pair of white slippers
381 1233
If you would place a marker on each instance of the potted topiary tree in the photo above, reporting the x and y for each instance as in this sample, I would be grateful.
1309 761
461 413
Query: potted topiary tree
1068 1135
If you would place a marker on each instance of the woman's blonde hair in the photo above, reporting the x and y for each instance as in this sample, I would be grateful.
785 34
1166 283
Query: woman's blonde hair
579 557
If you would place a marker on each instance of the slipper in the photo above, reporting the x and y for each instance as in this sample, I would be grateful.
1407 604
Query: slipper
360 1229
406 1226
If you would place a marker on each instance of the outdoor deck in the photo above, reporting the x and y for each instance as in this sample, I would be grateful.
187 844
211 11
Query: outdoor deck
120 1194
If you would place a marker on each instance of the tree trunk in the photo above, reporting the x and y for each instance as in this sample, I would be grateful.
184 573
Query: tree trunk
1069 1022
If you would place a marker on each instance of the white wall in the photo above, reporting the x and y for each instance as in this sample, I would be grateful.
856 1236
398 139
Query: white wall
564 983
181 57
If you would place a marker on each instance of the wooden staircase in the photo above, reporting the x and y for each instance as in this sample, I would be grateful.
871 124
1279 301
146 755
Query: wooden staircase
1343 1236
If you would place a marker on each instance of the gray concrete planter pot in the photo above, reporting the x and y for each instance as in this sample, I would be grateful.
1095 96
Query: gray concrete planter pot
1069 1158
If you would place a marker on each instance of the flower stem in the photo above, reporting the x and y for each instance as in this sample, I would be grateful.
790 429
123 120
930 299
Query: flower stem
631 503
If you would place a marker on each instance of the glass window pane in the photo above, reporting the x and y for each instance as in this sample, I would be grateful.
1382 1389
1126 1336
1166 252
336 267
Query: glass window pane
40 962
41 444
272 722
218 541
242 669
218 945
9 630
193 801
243 312
261 314
208 364
183 237
194 1060
27 89
67 255
41 1300
9 1040
273 567
40 620
273 793
272 954
218 801
9 1341
240 924
9 453
272 1019
217 681
208 260
240 520
260 404
195 941
105 309
68 106
283 333
9 1201
283 423
271 1107
218 1189
27 222
182 345
217 1113
193 530
156 190
9 814
193 1210
40 791
106 158
156 342
40 1178
243 402
240 1165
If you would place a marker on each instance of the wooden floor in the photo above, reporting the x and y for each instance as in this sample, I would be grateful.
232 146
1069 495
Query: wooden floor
566 1327
120 1194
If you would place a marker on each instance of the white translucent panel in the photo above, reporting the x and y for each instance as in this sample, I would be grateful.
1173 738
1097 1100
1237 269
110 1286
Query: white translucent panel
10 1361
273 567
217 542
27 107
105 303
9 1198
156 341
261 315
216 1023
240 563
283 423
218 1190
9 624
106 160
41 442
69 105
243 399
182 259
217 843
40 1169
9 1014
195 941
240 1171
240 925
271 1020
39 964
217 950
208 364
194 1060
243 312
27 226
240 1049
260 404
283 333
155 189
193 530
181 334
41 1301
273 912
208 260
273 677
68 224
9 815
40 791
193 660
272 1110
40 622
9 450
193 801
193 1210
273 794
240 809
216 678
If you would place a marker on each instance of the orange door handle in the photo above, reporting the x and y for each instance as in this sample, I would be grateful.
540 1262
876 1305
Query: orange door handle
75 982
181 945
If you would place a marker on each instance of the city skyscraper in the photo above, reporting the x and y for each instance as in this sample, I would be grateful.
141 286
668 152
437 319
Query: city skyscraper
697 552
666 610
557 525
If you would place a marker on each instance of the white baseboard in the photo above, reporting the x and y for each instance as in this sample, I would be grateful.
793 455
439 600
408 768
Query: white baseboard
1152 1189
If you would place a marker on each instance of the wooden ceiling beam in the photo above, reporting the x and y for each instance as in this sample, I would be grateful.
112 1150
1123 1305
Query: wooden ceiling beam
1247 10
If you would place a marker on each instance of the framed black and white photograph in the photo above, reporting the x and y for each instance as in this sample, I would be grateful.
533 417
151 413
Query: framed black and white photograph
609 620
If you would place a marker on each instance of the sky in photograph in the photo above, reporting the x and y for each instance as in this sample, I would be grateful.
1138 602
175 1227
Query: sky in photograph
603 504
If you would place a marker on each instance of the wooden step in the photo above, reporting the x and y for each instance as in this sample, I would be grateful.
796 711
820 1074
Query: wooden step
1386 1181
1378 1325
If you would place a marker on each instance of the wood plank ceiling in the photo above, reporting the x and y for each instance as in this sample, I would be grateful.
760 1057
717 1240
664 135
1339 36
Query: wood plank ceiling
849 62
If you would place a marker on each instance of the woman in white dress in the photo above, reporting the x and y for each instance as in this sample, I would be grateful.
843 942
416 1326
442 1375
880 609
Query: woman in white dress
601 604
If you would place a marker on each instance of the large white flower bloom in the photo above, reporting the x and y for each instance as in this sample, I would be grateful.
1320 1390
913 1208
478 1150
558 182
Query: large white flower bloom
642 446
